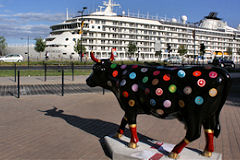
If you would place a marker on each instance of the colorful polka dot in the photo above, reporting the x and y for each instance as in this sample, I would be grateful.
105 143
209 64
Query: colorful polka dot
124 66
201 82
181 74
115 73
166 77
125 94
181 103
199 100
155 73
145 79
124 72
160 112
131 103
155 82
123 82
132 75
167 103
135 66
134 87
159 91
187 90
153 102
213 74
172 88
109 83
147 91
144 70
113 65
197 73
213 92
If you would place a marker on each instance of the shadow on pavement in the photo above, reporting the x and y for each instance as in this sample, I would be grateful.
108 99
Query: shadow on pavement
98 128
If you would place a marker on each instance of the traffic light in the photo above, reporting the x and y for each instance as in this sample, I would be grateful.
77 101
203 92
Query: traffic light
169 48
202 48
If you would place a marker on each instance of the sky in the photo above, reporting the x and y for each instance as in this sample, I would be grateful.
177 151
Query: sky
20 19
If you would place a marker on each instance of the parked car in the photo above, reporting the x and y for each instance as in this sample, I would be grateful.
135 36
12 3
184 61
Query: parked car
12 58
223 62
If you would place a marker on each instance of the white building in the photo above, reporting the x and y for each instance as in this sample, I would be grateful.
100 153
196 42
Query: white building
105 29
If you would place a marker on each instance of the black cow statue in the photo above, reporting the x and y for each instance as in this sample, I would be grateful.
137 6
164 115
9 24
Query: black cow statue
194 95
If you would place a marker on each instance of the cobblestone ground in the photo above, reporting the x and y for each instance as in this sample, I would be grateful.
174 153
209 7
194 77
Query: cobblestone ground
71 127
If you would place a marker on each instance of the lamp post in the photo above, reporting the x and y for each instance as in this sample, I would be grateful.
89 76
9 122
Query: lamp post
84 8
27 49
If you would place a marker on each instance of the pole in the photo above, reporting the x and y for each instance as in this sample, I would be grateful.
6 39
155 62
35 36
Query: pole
18 85
72 71
45 72
15 72
28 52
62 82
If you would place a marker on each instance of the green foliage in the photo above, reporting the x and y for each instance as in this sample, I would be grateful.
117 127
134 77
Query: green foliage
40 45
78 47
229 51
132 48
3 45
182 50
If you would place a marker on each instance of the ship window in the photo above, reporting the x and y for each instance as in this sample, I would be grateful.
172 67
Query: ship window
65 46
73 53
66 39
74 39
64 53
92 27
99 27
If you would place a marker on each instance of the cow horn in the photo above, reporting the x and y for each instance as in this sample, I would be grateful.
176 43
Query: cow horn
94 58
112 56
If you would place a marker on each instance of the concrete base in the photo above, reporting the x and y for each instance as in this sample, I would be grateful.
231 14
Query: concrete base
150 150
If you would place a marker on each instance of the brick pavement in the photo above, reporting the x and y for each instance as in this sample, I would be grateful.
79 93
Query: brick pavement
27 132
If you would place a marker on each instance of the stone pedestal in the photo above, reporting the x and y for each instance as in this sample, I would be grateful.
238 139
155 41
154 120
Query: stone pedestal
150 150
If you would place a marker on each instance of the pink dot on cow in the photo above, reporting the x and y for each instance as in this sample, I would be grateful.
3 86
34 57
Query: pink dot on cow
155 73
135 66
159 91
134 87
167 103
213 74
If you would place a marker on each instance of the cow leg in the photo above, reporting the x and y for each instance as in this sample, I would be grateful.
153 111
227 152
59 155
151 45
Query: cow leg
122 127
209 125
133 129
193 132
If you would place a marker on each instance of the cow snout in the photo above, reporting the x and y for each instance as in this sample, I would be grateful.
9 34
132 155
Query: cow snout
90 82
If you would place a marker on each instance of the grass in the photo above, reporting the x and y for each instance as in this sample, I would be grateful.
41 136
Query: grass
10 73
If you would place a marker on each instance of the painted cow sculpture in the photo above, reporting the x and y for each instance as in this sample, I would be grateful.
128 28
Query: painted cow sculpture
194 95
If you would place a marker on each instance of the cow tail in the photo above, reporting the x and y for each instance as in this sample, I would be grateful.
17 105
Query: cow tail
227 86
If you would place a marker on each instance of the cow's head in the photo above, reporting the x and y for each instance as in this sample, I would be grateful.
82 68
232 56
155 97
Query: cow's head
99 75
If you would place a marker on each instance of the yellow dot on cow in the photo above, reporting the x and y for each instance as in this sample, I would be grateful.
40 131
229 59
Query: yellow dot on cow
131 103
213 92
160 111
181 103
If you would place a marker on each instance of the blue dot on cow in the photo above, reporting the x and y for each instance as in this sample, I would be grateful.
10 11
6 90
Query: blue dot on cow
199 100
153 102
132 75
123 82
181 74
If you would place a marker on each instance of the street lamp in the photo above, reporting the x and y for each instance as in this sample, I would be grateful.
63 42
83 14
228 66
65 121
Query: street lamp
27 49
84 8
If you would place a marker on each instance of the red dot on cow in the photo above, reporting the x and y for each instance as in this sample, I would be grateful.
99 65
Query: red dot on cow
197 73
155 73
115 73
166 77
125 94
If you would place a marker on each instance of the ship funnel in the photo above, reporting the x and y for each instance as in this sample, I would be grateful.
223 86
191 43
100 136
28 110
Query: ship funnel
184 19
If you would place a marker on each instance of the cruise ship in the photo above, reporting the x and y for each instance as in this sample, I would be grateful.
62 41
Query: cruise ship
102 30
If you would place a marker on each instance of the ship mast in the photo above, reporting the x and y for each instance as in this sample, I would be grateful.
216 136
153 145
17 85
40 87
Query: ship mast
109 6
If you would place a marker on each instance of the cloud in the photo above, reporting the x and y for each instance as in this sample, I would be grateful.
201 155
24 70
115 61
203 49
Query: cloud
31 16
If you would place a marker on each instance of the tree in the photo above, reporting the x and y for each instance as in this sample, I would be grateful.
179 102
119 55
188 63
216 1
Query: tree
182 50
3 45
79 48
158 54
132 48
229 51
40 45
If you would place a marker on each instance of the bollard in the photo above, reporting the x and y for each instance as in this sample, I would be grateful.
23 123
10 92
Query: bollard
45 72
15 72
72 71
18 84
62 82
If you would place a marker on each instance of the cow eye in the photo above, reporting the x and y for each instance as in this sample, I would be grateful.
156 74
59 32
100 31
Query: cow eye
102 69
